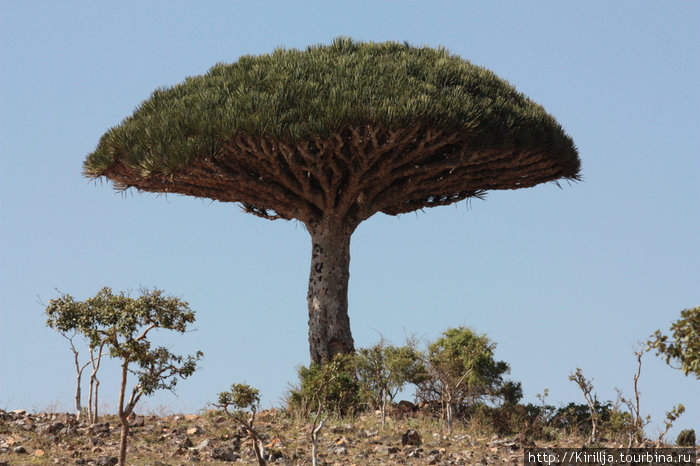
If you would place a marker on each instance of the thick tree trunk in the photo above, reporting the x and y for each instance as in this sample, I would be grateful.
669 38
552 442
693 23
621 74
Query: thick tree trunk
329 324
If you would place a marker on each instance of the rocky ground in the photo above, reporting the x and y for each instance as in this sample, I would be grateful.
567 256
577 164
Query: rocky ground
214 439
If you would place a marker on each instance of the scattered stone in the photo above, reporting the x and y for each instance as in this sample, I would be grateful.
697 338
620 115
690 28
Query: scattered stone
415 453
138 422
19 412
196 430
274 455
39 452
106 460
224 454
411 437
340 451
186 443
341 442
51 428
68 430
203 444
19 449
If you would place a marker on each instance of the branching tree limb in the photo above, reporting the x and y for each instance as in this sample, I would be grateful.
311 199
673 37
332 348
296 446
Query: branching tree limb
591 398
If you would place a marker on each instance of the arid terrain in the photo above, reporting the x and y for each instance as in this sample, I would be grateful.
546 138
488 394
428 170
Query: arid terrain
211 438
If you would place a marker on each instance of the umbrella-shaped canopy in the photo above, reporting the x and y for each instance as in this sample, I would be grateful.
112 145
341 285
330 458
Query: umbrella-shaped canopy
330 136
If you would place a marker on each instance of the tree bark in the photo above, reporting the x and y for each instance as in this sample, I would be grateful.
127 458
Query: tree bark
95 415
329 324
123 414
123 441
78 405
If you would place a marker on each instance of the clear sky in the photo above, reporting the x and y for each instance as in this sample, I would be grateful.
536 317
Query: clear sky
558 278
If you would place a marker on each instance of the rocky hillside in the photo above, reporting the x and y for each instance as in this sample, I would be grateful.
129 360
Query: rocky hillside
214 439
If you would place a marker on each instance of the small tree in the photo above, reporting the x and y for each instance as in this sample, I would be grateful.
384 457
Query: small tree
243 397
684 346
385 369
123 324
55 322
636 431
591 398
461 369
95 361
671 417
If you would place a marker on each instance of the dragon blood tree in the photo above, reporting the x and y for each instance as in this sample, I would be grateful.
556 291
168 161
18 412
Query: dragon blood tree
330 136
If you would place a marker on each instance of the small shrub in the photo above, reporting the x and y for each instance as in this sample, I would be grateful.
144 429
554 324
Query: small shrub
576 418
383 370
331 388
462 371
619 424
686 438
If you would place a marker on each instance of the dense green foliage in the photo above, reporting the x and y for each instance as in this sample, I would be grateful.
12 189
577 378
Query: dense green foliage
332 387
458 370
686 438
292 95
240 397
684 345
384 370
461 367
122 323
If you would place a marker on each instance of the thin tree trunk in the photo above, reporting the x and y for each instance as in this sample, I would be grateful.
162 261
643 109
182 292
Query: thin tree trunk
383 410
91 413
78 405
123 416
79 373
448 409
594 419
258 446
314 440
123 441
639 428
329 324
94 382
95 416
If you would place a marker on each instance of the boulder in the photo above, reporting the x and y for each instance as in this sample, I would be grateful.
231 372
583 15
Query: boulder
106 460
411 437
224 454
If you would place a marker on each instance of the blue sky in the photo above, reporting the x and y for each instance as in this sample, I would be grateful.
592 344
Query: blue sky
558 278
